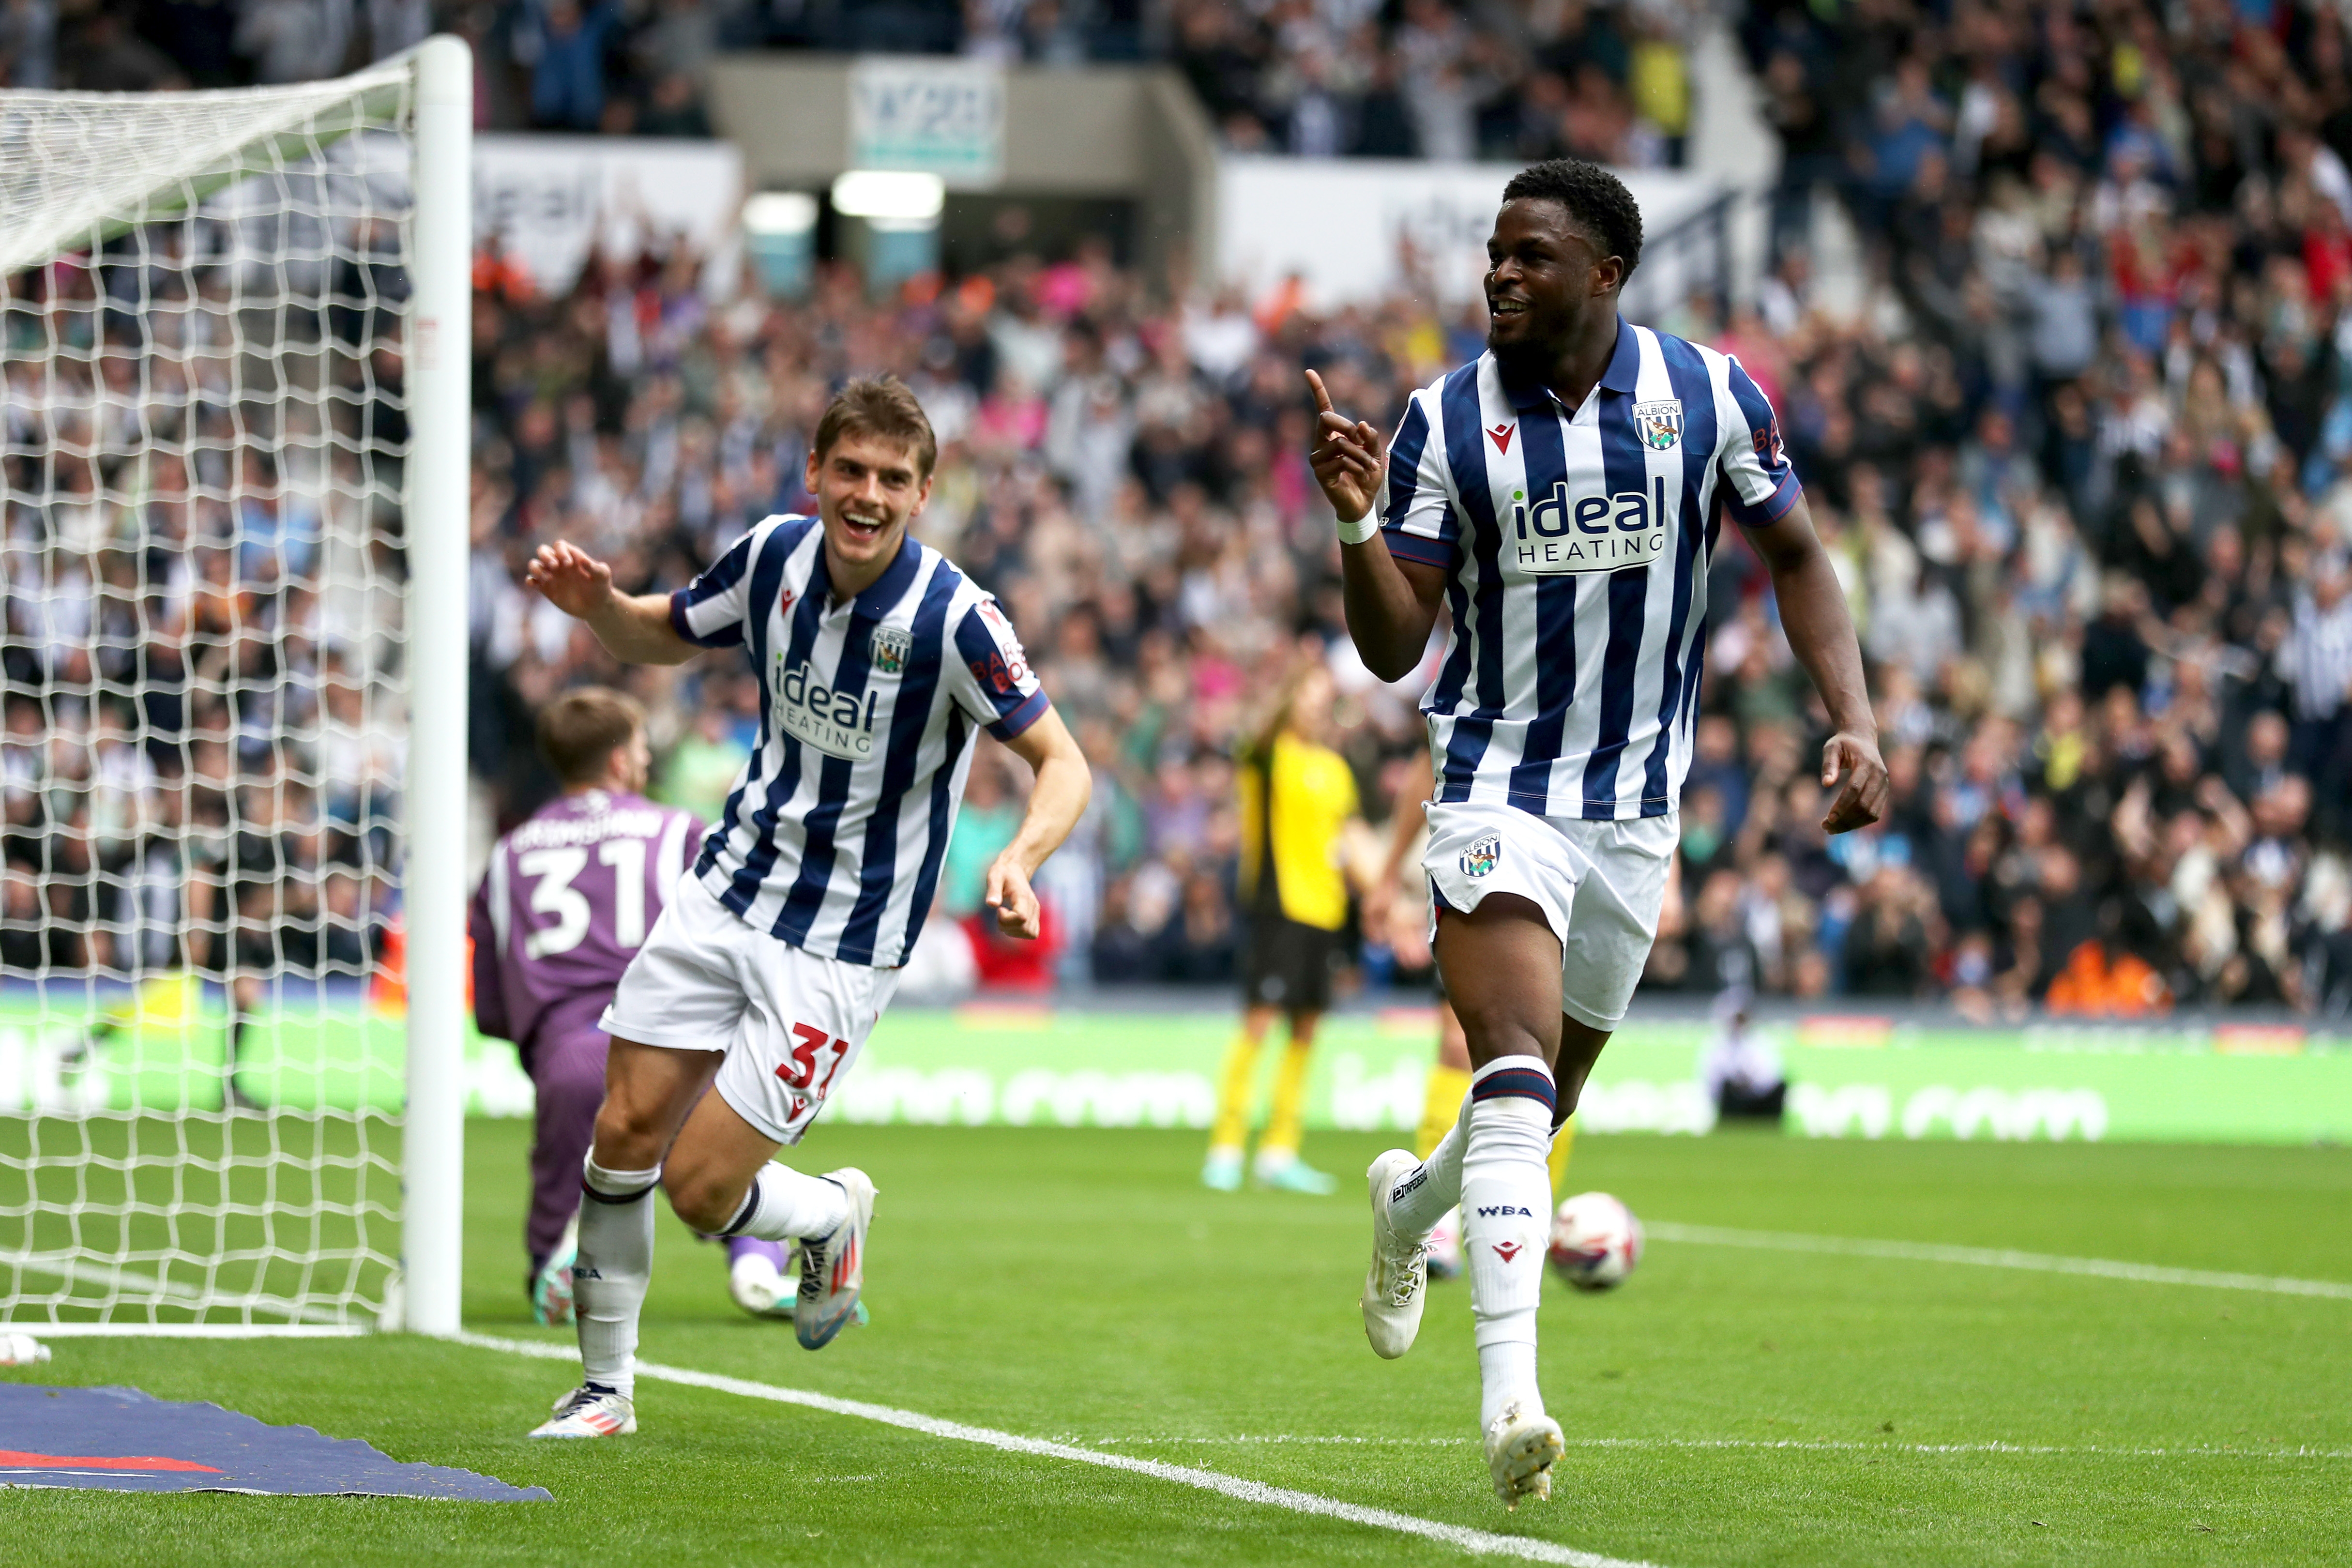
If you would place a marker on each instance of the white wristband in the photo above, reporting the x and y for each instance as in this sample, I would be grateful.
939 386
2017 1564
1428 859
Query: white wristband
1363 529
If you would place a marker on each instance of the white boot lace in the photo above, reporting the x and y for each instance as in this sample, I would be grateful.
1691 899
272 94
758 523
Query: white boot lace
1404 1273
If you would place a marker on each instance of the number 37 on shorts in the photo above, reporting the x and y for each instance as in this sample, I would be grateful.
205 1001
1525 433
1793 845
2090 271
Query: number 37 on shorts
791 1022
779 1075
801 1068
816 1057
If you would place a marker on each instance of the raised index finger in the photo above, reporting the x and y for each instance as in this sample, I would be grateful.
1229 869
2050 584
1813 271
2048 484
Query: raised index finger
1322 398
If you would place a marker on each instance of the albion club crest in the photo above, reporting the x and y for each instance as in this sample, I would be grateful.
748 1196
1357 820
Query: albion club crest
1480 858
1660 422
891 646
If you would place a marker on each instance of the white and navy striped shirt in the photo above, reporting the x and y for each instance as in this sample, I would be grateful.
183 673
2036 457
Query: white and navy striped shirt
1576 545
2316 656
833 836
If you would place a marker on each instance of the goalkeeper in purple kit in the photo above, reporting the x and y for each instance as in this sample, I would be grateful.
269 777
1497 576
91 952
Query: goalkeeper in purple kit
564 905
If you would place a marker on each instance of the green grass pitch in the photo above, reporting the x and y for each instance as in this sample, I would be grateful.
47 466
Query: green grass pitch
1727 1407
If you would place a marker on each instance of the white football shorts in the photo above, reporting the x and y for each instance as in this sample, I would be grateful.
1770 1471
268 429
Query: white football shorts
1599 884
791 1023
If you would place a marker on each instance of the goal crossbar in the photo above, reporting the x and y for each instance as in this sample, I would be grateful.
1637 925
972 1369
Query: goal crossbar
69 179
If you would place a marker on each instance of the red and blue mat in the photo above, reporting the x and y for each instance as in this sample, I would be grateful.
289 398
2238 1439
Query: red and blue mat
120 1440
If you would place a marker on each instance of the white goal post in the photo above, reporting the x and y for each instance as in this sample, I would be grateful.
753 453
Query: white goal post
235 411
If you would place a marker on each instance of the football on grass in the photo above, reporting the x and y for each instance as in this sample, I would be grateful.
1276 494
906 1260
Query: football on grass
1595 1241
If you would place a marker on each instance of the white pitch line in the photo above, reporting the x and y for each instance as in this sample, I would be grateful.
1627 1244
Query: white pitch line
1824 1444
1990 1258
41 1331
1479 1542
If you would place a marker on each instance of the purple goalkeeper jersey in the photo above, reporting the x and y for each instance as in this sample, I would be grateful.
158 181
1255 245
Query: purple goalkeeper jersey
565 904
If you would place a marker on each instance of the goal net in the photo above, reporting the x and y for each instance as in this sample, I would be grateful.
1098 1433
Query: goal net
210 525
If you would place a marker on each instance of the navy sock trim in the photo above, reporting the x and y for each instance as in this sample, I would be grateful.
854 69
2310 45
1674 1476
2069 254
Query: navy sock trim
1528 1083
745 1215
588 1192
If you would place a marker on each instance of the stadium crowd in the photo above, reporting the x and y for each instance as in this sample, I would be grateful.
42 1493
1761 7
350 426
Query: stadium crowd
1403 79
202 747
2104 614
2084 456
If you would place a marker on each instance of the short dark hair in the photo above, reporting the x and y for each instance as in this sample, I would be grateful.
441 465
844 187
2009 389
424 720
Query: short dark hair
580 731
1595 199
883 407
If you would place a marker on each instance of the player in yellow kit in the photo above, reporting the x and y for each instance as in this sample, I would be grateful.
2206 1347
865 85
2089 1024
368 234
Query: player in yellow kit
1298 799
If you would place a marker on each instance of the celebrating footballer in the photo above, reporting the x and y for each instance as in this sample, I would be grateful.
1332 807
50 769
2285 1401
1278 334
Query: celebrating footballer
1561 497
879 663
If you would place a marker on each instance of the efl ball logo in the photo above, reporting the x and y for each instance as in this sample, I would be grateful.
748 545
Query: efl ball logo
1480 858
1595 1241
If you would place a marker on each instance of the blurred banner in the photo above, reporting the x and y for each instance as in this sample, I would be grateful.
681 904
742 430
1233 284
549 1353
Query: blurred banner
940 116
1354 230
549 201
985 1064
1032 1064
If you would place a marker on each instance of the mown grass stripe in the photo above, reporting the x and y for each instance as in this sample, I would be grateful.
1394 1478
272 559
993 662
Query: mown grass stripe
1480 1542
1993 1257
1799 1444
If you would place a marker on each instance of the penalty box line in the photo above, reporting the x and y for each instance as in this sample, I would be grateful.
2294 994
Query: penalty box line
1481 1543
1993 1257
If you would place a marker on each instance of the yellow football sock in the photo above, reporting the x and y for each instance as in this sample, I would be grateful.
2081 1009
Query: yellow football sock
1233 1085
1284 1126
1440 1106
1561 1143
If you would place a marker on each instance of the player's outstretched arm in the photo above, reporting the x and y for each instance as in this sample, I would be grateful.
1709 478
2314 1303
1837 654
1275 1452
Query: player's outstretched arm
1392 604
1065 784
633 627
1821 634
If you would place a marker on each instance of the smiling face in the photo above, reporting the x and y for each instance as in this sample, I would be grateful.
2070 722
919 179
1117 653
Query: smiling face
1544 275
866 489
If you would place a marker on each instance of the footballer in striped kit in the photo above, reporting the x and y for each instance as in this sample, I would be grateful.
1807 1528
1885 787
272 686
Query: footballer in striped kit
879 663
1560 497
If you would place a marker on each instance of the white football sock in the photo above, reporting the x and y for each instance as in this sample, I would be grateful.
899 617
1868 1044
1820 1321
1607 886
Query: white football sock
783 1205
1506 1207
615 1264
1433 1186
1506 1371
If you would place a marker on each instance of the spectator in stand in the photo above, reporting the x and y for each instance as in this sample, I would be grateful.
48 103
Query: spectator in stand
562 43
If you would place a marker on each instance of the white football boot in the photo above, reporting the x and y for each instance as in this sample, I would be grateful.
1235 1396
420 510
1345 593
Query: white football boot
1521 1450
1396 1283
833 1268
589 1413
